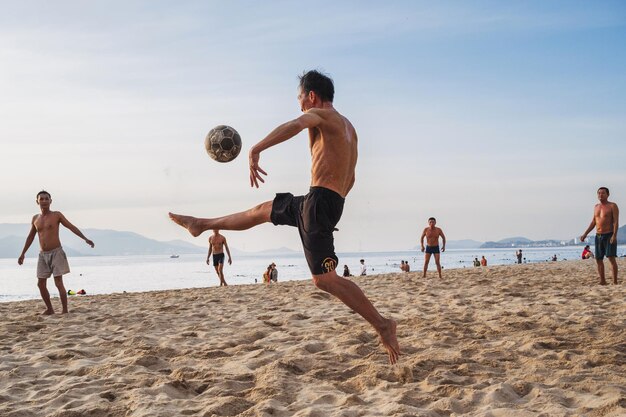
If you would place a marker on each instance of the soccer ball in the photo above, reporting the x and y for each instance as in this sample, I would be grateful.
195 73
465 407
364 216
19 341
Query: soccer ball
223 143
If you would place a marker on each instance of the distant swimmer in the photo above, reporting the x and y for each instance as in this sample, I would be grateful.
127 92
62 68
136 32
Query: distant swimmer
606 221
483 261
52 258
432 235
217 243
333 144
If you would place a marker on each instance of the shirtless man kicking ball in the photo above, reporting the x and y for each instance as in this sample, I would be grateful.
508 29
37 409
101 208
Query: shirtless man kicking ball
333 144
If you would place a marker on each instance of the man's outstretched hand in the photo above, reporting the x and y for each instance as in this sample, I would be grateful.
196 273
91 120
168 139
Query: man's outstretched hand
255 169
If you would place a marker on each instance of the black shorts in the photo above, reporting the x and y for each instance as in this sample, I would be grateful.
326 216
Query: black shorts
604 246
218 258
315 215
432 249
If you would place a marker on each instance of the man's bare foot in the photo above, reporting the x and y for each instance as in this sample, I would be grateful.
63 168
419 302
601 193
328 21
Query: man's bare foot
603 283
47 312
65 312
188 222
390 341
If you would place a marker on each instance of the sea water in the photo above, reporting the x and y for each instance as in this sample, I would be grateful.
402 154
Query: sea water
114 274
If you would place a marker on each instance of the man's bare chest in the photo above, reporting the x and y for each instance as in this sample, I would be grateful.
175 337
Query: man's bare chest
46 224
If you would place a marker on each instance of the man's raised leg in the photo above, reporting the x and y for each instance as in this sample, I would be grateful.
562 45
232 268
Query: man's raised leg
238 221
352 296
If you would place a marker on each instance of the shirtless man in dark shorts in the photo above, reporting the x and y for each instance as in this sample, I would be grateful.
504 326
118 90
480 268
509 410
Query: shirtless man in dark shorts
333 145
52 258
606 221
432 234
217 243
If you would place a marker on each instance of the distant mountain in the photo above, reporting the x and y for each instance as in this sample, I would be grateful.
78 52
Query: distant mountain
522 242
278 251
463 244
108 243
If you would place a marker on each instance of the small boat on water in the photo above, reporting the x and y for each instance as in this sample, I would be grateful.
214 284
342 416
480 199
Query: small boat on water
174 256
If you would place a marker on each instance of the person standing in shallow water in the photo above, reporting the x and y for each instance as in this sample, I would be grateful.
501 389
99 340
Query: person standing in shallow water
333 144
606 221
52 259
432 235
217 243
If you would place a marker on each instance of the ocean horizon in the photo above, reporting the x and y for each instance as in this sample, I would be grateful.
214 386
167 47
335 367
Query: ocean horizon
139 273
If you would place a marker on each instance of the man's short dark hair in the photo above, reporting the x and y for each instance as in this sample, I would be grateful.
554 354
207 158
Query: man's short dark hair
42 192
432 218
605 189
319 83
362 260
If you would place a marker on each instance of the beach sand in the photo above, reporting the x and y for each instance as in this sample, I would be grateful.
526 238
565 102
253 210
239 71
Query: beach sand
511 341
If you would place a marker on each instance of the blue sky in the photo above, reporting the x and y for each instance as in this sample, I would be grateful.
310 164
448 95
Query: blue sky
498 118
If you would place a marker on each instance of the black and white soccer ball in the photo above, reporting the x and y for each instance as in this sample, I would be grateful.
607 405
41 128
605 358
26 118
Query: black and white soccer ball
223 143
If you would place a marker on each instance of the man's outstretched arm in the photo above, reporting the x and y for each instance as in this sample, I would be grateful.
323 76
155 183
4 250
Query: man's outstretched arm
75 230
278 135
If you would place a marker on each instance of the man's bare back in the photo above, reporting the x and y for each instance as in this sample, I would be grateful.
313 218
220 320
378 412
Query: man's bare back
334 153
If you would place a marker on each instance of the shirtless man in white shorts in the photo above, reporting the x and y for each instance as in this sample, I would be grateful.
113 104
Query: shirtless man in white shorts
52 258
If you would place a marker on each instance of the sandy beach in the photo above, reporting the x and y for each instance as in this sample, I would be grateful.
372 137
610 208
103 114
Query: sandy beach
514 341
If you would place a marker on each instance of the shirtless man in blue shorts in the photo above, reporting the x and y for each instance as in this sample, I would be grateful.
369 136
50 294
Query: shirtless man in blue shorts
333 144
217 243
432 234
606 221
